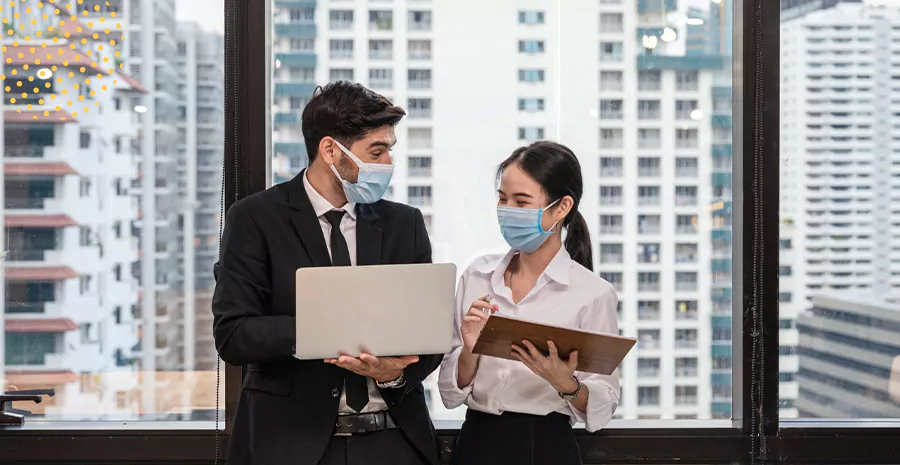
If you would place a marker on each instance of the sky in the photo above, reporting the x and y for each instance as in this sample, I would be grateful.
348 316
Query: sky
209 14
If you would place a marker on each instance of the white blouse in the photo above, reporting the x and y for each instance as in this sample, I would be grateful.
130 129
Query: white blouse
566 294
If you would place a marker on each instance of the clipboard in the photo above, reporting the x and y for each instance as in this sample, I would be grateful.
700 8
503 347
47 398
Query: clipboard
597 352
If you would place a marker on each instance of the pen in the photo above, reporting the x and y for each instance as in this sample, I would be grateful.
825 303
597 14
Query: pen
488 300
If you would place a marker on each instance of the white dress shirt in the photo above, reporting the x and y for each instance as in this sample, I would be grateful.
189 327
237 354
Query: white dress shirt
567 295
348 227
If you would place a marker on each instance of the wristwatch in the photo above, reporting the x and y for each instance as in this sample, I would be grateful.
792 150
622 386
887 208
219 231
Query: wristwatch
397 383
572 395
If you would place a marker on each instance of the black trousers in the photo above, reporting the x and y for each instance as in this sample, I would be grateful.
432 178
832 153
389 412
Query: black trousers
388 447
516 439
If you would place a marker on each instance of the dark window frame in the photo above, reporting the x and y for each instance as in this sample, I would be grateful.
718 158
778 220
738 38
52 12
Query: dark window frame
755 434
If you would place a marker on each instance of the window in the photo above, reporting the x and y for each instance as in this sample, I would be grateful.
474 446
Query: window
649 138
611 167
685 395
648 396
648 367
531 133
649 80
610 138
685 281
649 167
419 20
420 196
85 138
686 252
611 22
648 224
610 195
686 367
611 224
381 20
685 224
648 281
687 80
649 109
613 278
302 14
531 17
420 108
340 20
686 167
685 195
381 78
419 78
531 46
648 252
419 50
419 166
341 49
302 45
381 49
686 110
648 339
341 75
531 104
420 138
610 51
611 253
610 109
686 339
531 75
648 195
611 80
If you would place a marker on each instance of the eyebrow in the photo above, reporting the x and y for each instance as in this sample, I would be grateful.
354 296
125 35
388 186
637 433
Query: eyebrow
517 194
382 143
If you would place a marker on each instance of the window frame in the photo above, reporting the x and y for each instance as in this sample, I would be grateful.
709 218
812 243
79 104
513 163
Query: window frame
754 435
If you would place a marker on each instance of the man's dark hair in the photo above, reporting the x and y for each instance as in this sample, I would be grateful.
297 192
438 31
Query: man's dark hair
346 111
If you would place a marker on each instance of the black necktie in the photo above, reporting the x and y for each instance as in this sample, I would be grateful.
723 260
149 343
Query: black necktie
355 385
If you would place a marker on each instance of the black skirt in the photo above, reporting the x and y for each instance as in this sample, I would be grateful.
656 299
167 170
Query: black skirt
516 439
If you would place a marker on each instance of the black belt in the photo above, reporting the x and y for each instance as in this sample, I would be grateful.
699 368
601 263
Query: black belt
348 425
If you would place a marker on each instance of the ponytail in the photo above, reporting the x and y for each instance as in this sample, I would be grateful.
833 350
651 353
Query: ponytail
578 241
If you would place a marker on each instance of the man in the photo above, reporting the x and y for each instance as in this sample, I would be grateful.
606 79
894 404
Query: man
347 411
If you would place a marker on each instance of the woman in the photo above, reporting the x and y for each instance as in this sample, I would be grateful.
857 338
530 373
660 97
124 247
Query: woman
521 412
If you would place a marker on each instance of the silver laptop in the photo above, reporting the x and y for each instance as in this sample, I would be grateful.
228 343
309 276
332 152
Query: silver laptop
385 310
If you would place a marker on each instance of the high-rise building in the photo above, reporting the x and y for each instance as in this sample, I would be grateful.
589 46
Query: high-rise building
71 150
201 115
847 348
838 189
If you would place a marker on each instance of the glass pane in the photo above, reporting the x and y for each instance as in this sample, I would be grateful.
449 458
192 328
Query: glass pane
648 112
112 198
840 248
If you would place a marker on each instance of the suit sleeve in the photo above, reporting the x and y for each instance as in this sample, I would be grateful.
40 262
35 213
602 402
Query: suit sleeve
416 373
244 330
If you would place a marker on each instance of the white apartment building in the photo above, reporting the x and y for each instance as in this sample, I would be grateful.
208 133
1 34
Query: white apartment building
70 153
607 79
840 171
201 115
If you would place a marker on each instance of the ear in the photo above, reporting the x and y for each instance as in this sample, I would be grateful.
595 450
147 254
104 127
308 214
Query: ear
328 150
564 206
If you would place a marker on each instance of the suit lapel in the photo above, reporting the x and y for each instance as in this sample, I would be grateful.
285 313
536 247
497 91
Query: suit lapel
368 236
306 224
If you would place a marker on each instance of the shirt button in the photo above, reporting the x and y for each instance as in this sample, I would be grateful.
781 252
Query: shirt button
335 392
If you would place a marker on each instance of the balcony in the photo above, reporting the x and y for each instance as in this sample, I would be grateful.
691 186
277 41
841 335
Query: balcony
24 151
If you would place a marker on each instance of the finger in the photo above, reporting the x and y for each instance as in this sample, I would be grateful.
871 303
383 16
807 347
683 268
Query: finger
554 353
370 359
480 314
352 363
405 360
522 353
482 305
572 362
473 319
331 360
532 350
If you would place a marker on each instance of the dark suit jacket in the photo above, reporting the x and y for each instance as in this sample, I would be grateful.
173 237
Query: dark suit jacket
288 407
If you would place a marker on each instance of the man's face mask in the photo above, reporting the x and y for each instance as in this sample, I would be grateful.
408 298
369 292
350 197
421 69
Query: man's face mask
372 182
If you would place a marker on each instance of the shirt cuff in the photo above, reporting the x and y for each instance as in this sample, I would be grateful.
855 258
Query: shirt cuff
602 403
451 394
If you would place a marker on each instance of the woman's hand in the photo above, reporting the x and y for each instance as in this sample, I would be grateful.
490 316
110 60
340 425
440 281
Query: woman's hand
556 371
474 321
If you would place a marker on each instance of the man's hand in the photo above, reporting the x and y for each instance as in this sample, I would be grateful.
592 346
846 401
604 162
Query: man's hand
381 369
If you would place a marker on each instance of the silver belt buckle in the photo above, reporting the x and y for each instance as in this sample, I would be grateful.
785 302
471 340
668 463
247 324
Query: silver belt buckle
338 424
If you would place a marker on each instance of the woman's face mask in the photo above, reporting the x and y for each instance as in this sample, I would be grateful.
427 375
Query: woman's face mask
522 227
371 183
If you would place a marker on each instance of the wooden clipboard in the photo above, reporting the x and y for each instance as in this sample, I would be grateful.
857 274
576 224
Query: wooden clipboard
597 353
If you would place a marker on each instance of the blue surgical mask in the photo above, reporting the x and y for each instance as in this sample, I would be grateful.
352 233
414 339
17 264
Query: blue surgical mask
372 182
521 227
